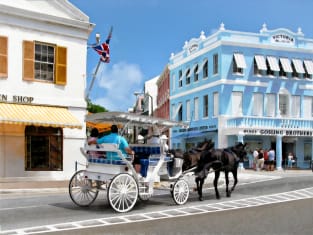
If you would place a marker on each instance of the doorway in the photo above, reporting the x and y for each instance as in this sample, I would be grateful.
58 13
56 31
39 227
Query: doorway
287 148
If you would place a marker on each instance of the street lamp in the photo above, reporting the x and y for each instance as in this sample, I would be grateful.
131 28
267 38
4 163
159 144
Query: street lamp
97 38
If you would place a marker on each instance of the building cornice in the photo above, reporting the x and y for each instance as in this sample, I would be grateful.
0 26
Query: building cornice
23 17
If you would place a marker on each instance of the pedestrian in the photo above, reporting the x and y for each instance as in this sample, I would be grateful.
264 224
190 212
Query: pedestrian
155 139
92 139
290 160
251 159
260 160
255 158
271 159
163 140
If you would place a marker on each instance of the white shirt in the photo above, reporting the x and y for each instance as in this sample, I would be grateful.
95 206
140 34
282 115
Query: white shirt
154 140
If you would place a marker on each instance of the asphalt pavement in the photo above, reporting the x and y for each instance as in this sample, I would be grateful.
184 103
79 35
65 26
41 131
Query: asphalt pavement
24 184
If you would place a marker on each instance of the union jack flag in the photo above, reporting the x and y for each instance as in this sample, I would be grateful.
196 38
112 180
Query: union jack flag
103 49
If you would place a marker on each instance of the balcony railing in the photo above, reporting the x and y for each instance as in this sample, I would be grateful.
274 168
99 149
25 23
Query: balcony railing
268 122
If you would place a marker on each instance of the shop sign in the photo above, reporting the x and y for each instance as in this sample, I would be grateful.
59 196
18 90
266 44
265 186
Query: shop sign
278 132
194 47
16 99
283 38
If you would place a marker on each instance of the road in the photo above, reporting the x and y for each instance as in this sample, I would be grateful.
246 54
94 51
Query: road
259 202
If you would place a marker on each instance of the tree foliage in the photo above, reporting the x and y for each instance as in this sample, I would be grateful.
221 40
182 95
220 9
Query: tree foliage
95 108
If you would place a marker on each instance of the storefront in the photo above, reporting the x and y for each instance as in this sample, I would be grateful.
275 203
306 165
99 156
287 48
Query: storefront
43 52
255 88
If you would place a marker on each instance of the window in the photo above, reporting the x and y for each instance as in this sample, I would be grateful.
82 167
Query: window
272 65
3 57
173 82
44 62
285 67
205 106
173 109
308 64
180 78
196 73
283 104
282 72
308 104
44 148
180 112
294 71
239 63
257 104
297 67
188 76
215 103
205 69
188 110
215 64
196 108
259 64
270 105
295 106
236 102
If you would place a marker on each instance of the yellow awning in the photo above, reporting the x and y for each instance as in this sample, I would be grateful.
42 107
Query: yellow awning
37 115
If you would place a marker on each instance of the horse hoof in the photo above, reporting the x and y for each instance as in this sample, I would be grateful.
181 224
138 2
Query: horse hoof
228 195
200 199
218 198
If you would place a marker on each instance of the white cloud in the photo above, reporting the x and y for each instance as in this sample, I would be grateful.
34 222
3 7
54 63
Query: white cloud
117 85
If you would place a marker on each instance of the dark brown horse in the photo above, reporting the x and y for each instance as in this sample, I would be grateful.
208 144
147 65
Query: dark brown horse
192 157
226 160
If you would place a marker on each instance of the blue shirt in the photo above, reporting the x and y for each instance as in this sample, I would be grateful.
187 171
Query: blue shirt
114 138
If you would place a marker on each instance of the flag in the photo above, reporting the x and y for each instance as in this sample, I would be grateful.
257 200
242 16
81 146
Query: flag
103 49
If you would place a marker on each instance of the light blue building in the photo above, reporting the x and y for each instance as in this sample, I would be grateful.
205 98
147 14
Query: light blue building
253 87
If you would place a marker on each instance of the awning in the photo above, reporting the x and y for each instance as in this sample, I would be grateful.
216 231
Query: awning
309 66
240 61
298 65
285 62
23 114
273 63
191 134
260 62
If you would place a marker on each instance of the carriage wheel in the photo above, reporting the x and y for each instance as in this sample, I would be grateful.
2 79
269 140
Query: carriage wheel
180 191
82 191
123 192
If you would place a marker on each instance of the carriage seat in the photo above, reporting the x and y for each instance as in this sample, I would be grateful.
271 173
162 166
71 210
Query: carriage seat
110 154
146 149
106 161
151 152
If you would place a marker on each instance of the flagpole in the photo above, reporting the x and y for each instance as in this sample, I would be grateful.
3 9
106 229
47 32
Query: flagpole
93 80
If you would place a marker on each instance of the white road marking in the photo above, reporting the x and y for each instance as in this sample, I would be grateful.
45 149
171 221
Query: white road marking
175 212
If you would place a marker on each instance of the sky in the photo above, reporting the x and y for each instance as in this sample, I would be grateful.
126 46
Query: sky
146 32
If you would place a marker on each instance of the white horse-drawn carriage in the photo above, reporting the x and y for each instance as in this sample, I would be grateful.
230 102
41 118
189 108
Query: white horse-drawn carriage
118 177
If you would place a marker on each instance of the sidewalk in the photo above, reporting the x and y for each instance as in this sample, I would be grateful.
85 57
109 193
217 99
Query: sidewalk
24 185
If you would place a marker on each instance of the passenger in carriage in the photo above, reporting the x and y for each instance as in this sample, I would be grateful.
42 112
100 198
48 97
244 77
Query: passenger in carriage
93 138
163 140
155 139
114 138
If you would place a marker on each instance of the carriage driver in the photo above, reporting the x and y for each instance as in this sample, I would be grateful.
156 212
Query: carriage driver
114 138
